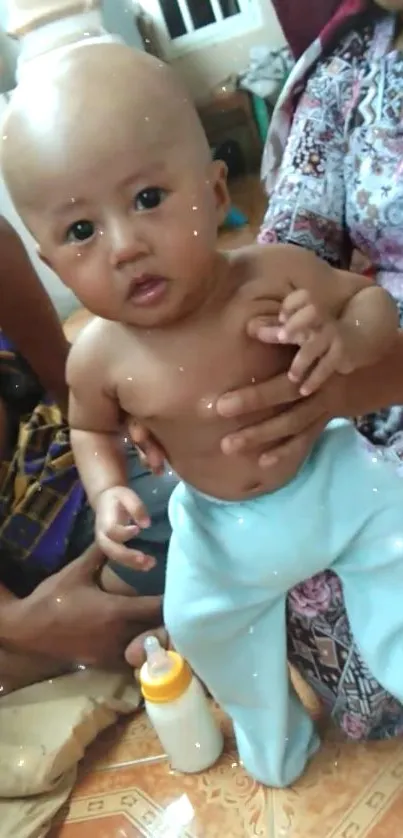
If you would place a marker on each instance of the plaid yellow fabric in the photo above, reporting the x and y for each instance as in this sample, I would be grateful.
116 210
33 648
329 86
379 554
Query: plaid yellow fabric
40 493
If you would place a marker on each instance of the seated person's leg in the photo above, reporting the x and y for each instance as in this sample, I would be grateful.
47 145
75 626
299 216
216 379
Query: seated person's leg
371 574
155 492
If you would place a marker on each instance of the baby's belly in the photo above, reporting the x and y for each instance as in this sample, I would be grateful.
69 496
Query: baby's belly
233 477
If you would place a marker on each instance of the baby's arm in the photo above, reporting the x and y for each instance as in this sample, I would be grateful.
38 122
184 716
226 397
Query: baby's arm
340 320
362 332
97 443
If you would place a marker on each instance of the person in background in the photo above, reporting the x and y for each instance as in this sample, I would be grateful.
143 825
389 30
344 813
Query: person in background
333 165
52 613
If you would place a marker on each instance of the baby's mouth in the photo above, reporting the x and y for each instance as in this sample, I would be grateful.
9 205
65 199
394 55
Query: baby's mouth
147 289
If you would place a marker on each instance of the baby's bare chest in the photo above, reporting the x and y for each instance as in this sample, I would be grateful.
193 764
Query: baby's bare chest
181 374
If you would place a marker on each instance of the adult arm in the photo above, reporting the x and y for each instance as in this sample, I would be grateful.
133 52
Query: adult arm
302 27
307 205
28 317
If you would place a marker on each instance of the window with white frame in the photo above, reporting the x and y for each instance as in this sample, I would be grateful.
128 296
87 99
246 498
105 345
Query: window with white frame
183 24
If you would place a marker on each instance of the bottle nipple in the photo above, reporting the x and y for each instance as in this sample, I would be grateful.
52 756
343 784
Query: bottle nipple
158 661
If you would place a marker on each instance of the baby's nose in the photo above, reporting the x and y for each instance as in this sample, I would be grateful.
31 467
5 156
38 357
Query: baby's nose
127 245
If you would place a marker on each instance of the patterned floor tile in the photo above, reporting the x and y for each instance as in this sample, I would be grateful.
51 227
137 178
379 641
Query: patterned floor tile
126 789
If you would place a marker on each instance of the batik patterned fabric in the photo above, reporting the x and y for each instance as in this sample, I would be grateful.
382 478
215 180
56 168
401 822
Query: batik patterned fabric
40 493
333 169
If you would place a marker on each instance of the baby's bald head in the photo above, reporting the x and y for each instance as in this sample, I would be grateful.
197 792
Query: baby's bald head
97 99
109 167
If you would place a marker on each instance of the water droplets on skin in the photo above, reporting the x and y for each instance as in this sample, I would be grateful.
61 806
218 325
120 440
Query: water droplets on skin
129 378
59 600
181 369
253 380
206 404
195 232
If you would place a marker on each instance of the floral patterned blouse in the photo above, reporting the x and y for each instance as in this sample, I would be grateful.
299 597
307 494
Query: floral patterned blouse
340 185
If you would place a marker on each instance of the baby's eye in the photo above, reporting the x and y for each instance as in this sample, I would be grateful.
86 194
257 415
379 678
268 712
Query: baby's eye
80 231
149 199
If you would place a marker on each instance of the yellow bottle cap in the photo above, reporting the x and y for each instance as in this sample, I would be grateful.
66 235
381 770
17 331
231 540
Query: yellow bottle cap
161 684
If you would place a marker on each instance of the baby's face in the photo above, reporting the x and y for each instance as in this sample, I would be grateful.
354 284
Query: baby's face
129 226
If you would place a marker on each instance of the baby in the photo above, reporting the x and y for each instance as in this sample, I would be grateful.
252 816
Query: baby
115 180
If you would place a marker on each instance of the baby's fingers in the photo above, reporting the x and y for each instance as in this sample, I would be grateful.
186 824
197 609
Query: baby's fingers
134 507
124 555
297 327
310 351
121 533
294 302
324 369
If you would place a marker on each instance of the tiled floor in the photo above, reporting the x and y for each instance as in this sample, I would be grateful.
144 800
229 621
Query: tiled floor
127 790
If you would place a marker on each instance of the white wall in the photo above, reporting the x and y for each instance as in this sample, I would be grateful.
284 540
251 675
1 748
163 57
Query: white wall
63 299
206 66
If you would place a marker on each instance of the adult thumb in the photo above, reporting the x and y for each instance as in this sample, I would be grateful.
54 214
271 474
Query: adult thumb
135 654
91 561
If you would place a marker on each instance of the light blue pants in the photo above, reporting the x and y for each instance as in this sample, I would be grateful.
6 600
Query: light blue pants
230 566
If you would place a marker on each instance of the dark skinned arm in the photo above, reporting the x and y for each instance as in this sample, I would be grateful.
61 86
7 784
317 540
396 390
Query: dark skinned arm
28 317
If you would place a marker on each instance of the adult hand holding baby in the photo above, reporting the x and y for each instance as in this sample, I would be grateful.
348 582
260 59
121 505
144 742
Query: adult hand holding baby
294 422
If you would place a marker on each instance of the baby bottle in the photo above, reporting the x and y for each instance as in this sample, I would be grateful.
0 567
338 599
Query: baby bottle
179 710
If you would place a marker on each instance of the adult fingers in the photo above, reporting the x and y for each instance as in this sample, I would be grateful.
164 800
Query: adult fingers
86 565
293 448
278 428
139 610
264 396
135 654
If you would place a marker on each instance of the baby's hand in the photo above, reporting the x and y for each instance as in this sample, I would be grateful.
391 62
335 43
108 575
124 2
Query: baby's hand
323 341
119 516
150 452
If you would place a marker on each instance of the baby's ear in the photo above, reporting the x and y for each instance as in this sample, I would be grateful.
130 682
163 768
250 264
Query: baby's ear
222 197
